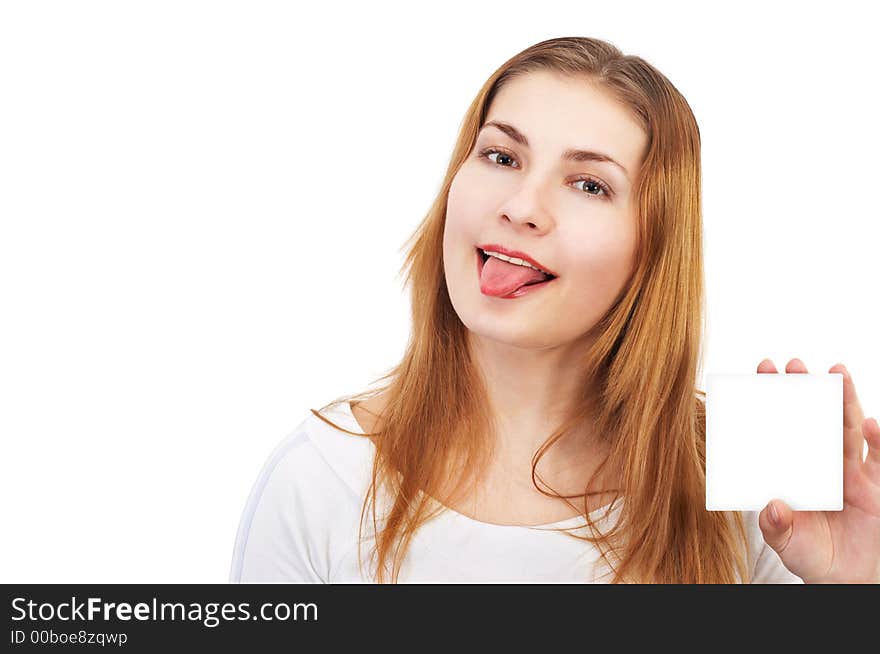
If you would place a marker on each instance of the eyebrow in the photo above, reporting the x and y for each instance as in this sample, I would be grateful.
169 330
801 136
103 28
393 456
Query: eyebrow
568 155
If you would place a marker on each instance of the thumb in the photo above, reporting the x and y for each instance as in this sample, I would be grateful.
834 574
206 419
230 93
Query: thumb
776 522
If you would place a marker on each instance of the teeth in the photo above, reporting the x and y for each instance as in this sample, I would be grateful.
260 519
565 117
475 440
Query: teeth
514 260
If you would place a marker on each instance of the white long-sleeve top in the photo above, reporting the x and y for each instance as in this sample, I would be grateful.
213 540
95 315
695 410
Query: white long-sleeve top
301 521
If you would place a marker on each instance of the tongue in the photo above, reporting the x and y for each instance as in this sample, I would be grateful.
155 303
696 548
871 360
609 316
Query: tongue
500 278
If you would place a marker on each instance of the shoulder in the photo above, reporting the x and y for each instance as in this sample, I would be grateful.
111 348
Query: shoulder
764 563
315 456
303 506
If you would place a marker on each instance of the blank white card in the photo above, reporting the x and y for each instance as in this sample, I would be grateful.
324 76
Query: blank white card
774 436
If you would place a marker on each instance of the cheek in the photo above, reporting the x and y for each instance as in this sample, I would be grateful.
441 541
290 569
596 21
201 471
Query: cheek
469 195
602 261
461 224
465 205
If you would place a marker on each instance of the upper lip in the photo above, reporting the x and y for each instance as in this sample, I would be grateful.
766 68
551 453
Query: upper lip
494 247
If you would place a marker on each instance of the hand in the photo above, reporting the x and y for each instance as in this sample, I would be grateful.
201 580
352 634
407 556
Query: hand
838 547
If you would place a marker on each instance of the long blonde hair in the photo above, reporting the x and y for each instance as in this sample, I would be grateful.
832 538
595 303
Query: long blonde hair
435 422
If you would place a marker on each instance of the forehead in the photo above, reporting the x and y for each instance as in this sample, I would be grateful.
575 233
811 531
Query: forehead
557 112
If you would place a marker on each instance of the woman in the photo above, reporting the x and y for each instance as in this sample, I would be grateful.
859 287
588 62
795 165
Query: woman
556 282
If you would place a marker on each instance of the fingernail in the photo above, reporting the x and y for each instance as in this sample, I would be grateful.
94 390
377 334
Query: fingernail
774 515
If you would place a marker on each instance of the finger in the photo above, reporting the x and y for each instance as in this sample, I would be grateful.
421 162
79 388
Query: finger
802 539
766 366
872 461
796 366
776 526
853 416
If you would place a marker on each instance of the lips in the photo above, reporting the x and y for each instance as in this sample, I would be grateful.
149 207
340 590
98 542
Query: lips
521 290
494 247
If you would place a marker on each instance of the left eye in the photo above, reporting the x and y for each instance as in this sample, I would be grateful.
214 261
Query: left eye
591 180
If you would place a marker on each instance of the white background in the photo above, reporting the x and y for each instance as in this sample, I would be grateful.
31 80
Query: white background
203 205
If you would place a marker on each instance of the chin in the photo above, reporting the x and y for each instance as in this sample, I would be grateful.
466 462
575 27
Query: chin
522 336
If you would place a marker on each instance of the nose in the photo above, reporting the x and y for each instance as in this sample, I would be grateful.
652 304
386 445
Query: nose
526 207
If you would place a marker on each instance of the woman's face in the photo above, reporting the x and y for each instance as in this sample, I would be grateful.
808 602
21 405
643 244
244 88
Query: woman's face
573 216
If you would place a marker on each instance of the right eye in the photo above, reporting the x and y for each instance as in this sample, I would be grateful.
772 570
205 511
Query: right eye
488 151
